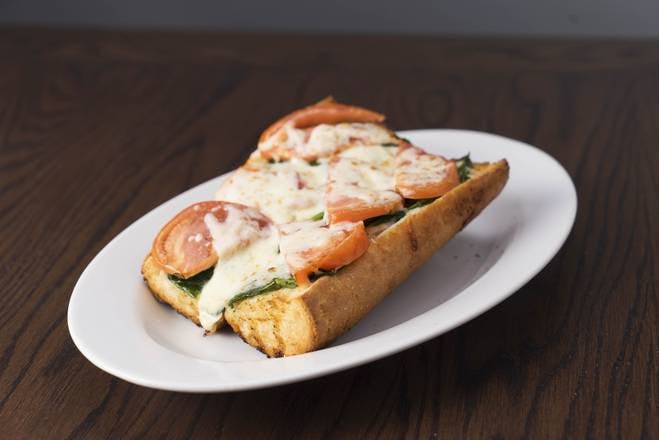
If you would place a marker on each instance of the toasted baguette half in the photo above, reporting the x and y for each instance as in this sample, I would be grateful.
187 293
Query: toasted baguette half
295 321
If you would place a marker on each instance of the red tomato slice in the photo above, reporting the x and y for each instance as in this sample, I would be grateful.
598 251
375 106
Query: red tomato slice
420 175
184 246
352 209
310 246
357 191
327 111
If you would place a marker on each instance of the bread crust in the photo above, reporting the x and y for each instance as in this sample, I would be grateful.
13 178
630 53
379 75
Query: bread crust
295 321
167 292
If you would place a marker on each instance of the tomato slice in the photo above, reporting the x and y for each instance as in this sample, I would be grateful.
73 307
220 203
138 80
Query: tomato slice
420 175
327 111
342 209
310 246
297 135
358 190
184 246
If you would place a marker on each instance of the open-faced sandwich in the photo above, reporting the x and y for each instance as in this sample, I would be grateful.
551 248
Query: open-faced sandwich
327 216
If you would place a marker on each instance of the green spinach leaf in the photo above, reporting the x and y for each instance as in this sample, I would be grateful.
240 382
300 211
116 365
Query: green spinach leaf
394 216
413 204
465 165
193 285
275 284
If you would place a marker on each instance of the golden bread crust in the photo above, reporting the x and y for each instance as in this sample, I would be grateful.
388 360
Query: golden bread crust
166 292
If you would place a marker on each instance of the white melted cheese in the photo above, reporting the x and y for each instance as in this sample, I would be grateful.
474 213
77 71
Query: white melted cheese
248 257
418 168
286 138
324 140
358 179
286 191
377 155
374 164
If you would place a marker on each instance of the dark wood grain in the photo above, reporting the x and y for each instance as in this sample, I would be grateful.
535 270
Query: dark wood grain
97 128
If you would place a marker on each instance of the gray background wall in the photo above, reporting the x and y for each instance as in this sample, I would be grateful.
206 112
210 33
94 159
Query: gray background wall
604 18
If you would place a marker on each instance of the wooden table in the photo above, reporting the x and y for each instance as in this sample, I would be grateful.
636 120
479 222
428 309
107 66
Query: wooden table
97 128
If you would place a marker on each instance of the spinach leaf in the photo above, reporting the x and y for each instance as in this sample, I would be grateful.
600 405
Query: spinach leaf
394 216
193 285
275 284
465 165
314 163
318 216
413 204
389 144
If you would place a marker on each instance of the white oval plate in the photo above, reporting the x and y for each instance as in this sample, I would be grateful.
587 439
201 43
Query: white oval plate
121 328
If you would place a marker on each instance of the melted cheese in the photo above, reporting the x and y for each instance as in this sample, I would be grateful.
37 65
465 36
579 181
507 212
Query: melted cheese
352 178
248 257
377 155
285 191
419 168
286 139
370 166
324 140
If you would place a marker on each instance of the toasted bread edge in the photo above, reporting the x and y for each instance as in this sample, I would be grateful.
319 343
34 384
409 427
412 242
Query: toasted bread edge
166 292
